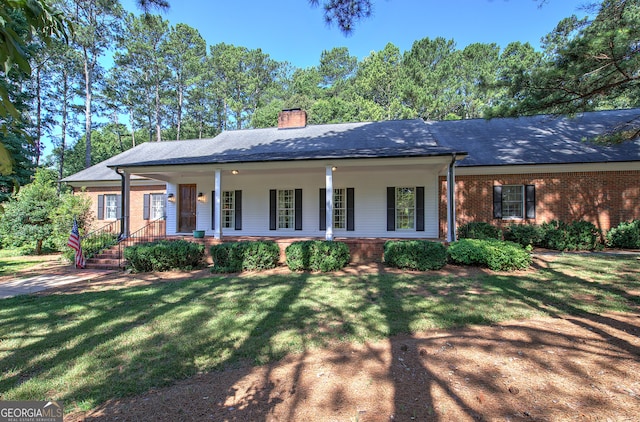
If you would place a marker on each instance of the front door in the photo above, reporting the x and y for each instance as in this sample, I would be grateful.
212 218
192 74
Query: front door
187 209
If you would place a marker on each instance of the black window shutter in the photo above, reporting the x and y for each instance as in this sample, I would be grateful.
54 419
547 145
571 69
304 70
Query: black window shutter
497 202
298 208
420 208
146 206
118 206
213 210
530 200
100 207
322 210
391 209
238 210
350 210
272 209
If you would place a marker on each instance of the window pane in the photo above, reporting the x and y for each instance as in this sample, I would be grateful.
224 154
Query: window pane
111 207
513 201
157 206
339 209
286 209
228 209
405 208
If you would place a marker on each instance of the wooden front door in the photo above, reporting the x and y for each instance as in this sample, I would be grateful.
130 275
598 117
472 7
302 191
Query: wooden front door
187 209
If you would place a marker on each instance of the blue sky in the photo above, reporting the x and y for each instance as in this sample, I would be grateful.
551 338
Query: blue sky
293 31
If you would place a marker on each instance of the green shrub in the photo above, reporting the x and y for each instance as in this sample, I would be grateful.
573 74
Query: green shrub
626 235
494 254
479 230
164 255
419 255
524 234
317 255
233 257
575 236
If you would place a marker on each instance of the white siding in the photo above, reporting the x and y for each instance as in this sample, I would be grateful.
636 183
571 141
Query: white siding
369 193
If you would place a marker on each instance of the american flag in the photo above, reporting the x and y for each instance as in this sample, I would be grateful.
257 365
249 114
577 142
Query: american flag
74 243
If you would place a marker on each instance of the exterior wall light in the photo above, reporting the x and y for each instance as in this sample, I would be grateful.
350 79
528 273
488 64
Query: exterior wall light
234 172
201 197
171 197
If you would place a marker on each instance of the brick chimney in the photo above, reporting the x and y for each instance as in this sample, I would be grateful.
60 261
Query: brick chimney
293 118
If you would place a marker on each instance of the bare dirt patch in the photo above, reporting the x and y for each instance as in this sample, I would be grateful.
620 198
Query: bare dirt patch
562 369
548 369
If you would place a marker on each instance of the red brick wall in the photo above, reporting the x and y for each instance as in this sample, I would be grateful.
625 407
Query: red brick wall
137 199
603 198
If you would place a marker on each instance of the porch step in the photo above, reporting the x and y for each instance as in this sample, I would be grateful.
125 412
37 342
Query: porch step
109 259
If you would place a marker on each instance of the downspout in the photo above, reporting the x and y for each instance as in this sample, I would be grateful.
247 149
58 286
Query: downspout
451 200
122 235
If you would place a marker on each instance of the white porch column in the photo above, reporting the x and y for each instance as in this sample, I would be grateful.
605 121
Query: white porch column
451 201
217 231
126 204
329 203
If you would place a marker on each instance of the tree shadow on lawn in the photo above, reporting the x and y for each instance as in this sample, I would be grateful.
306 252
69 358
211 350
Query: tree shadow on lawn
408 377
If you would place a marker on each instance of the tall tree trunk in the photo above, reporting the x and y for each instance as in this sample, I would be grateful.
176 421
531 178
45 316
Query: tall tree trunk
133 131
179 113
38 114
87 109
158 131
63 125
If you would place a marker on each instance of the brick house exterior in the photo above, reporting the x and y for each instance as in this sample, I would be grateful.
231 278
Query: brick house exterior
604 198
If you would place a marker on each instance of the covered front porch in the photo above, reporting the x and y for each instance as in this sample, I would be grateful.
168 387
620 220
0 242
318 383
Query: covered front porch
362 201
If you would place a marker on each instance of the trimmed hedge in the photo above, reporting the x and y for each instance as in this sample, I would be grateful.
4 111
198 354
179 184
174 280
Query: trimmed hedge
625 236
164 255
317 255
494 254
575 236
233 257
419 255
479 230
524 234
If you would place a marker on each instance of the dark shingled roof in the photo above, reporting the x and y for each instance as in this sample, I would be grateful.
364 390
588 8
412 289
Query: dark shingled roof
539 139
495 142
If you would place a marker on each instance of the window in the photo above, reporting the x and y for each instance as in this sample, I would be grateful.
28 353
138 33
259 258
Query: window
343 209
405 208
339 209
514 201
157 206
228 209
286 209
153 207
110 207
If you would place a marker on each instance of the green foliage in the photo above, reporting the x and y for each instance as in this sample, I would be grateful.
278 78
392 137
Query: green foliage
419 255
27 217
524 234
575 236
164 255
626 235
317 255
494 254
70 206
233 257
479 230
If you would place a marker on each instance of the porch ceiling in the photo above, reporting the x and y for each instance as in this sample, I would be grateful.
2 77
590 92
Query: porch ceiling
166 173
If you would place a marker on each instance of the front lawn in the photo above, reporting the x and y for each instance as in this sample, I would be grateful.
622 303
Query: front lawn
88 347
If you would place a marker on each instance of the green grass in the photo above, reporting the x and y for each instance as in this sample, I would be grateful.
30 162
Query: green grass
89 347
11 262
